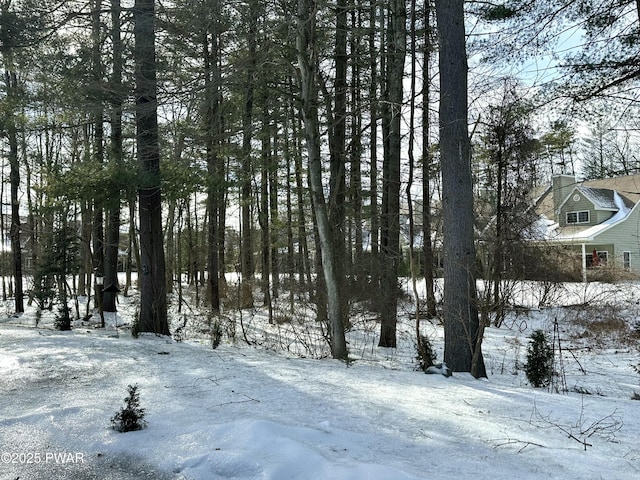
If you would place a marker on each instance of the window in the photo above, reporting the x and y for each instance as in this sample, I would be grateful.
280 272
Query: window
626 260
578 217
600 259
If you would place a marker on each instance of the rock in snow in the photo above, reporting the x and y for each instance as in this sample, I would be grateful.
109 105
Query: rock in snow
441 368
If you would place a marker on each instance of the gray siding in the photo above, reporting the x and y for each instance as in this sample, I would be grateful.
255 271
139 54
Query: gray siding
583 204
624 237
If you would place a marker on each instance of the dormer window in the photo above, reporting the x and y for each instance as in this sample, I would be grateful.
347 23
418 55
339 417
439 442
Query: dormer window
578 217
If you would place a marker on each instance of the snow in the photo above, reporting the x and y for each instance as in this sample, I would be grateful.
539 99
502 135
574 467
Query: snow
547 229
250 412
542 229
591 232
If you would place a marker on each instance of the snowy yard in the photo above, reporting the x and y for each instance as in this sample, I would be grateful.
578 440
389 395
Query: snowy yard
240 412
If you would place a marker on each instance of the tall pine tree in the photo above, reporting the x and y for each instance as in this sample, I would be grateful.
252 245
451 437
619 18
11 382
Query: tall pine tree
151 271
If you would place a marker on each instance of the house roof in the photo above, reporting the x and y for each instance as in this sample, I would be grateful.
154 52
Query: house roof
603 198
627 186
586 234
618 195
543 202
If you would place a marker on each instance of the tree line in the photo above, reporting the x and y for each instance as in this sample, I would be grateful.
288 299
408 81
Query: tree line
184 140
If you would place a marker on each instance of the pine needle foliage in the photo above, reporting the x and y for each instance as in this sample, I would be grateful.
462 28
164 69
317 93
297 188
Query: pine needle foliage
539 367
426 356
63 318
130 417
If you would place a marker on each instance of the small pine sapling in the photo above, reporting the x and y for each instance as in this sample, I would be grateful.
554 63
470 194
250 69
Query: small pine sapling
539 367
63 318
130 417
216 334
426 357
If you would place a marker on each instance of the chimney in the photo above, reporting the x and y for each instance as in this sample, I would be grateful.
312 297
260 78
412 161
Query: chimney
562 186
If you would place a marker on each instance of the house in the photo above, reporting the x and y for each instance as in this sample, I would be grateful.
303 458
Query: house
599 220
6 259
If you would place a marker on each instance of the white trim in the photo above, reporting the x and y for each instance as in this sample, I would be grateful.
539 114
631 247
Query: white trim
590 233
578 221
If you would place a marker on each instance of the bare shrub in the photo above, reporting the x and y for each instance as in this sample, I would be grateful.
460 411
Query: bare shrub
509 362
600 325
550 263
282 315
610 273
547 292
584 429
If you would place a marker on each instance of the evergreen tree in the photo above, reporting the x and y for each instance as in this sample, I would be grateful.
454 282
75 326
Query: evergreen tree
598 152
151 270
539 366
602 65
462 329
507 165
391 127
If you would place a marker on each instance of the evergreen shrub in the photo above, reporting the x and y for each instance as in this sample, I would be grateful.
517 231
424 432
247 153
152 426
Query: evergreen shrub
539 367
426 357
63 318
130 417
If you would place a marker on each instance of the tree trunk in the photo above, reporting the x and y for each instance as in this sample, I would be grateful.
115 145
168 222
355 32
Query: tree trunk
396 48
86 230
11 83
373 150
222 169
308 64
246 237
428 262
337 158
274 227
213 129
113 215
151 272
14 175
356 143
3 232
192 254
32 222
213 265
98 152
133 254
263 216
412 107
462 333
290 263
170 243
497 267
304 267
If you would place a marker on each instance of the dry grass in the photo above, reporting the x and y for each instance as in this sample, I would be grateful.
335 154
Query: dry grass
605 326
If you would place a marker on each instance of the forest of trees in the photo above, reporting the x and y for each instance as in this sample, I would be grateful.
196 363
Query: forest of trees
318 149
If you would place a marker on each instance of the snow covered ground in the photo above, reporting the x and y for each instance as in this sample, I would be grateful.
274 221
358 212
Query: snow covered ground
251 412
